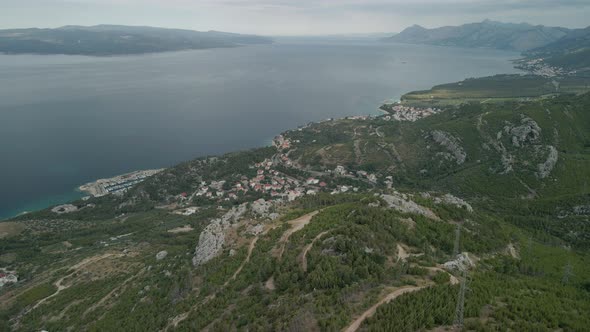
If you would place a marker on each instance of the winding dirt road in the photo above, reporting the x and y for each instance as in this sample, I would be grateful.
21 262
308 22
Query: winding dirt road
179 318
76 267
307 248
296 225
250 249
371 311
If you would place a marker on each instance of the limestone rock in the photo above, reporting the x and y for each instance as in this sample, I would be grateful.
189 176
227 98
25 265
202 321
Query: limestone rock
261 207
528 132
461 263
452 200
451 143
256 230
161 255
403 203
546 167
212 238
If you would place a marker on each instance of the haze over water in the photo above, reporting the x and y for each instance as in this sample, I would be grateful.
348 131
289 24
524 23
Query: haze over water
68 120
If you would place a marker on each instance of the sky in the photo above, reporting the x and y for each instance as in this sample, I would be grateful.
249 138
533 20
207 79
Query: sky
291 17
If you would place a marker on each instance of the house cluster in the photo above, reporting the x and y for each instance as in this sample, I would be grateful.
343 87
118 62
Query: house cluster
281 143
267 181
213 189
7 277
363 175
539 67
409 113
273 182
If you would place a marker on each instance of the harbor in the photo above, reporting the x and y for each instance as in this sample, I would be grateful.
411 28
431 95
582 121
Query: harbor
117 184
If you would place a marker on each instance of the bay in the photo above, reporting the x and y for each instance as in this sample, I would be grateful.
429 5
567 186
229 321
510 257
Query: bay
68 120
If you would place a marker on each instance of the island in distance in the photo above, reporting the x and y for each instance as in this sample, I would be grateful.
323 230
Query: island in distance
105 40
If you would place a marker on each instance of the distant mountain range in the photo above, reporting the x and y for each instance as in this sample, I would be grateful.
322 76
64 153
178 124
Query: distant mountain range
489 34
117 40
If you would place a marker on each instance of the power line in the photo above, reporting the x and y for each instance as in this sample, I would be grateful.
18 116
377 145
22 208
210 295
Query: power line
460 310
567 273
414 318
457 238
422 314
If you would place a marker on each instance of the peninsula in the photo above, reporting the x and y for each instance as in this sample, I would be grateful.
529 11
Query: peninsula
109 40
117 184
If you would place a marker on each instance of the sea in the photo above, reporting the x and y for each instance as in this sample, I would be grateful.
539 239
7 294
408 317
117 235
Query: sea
69 120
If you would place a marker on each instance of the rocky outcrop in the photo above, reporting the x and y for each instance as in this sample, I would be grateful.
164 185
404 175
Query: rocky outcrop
546 167
454 201
161 255
403 203
256 229
65 208
528 132
461 263
263 209
451 144
579 210
507 162
212 238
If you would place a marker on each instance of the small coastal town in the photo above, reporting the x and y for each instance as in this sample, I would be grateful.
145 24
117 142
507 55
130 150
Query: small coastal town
540 67
117 184
269 181
273 184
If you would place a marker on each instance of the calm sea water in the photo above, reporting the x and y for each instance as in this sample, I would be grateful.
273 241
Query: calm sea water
68 120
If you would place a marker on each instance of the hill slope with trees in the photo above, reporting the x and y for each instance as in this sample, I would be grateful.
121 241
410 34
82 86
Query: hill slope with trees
337 226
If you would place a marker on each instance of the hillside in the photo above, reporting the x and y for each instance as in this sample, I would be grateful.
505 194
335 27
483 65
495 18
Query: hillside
116 40
497 89
487 34
337 226
571 52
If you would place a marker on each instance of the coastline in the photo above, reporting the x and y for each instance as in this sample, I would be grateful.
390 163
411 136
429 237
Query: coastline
358 91
120 183
96 189
44 203
117 184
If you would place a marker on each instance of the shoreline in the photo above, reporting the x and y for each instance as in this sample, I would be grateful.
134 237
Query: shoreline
118 183
98 188
41 204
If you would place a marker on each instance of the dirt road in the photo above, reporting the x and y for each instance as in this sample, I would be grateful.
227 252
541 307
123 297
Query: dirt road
307 248
296 225
371 311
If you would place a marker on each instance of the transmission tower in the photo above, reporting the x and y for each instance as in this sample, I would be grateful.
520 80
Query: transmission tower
457 238
460 309
567 273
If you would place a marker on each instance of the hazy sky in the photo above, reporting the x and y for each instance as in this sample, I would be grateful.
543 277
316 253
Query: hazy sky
290 17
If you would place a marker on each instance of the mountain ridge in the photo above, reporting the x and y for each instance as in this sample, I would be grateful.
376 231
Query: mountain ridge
101 40
489 34
571 51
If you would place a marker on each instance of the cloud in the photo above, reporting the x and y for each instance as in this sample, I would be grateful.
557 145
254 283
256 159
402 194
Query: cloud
291 16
